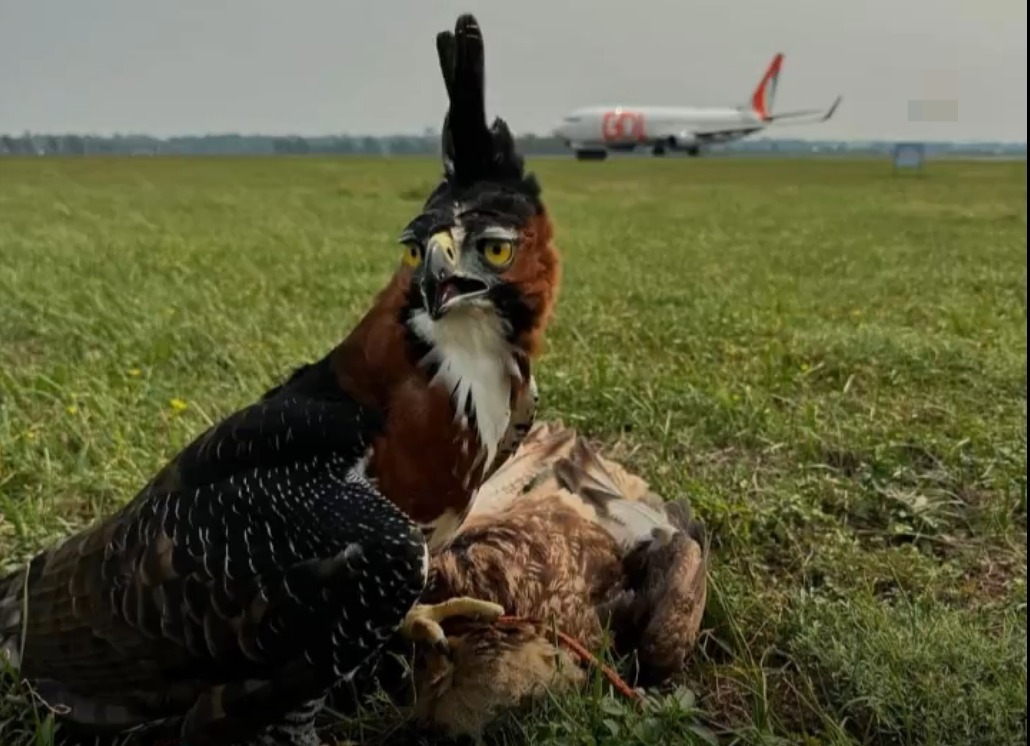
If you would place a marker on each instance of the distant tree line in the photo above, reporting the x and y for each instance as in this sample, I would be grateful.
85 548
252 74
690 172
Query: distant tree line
428 143
235 144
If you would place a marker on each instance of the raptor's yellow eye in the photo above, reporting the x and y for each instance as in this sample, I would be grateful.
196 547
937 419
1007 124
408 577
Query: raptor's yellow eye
412 255
497 251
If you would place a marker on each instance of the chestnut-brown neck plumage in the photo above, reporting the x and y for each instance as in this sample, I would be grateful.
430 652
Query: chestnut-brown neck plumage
429 458
424 460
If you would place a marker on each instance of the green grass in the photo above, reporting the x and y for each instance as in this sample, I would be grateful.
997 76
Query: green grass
829 359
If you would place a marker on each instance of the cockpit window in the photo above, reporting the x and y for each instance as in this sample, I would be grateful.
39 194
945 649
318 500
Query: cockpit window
572 119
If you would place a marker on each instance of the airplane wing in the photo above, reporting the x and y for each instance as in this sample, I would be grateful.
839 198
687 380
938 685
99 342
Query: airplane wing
819 115
726 134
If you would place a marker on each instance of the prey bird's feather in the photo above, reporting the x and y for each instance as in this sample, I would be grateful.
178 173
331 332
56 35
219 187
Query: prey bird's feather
575 540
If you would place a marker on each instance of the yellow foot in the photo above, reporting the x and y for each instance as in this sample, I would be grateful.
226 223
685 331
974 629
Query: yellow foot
422 624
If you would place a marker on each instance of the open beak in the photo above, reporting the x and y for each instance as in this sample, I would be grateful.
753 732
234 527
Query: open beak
443 287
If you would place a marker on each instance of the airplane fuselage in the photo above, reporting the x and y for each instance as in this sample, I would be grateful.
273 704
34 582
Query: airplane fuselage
657 127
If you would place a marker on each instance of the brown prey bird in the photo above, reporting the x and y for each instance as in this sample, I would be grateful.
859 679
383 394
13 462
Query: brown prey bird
565 540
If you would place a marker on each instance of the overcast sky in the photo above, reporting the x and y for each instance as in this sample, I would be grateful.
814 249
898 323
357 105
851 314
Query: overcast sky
324 66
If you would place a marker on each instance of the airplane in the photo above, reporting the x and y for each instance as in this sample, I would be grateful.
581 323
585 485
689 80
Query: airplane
593 131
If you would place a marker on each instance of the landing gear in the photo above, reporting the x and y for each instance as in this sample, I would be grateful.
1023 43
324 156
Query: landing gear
591 155
693 151
658 149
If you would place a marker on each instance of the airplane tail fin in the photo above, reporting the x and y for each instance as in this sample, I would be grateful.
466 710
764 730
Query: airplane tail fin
762 98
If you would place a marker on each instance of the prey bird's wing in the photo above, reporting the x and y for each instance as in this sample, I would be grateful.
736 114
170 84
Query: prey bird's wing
526 470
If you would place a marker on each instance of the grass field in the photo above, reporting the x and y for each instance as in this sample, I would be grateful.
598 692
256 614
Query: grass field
830 360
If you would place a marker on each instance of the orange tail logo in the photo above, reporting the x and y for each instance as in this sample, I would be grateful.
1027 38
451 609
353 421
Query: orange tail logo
762 99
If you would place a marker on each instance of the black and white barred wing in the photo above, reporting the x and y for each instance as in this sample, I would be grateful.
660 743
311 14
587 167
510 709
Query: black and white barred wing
234 601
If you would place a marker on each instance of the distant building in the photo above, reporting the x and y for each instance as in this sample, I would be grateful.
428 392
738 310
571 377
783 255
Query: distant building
909 155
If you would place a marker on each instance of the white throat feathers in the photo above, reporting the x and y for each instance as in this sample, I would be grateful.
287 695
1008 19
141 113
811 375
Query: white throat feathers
476 364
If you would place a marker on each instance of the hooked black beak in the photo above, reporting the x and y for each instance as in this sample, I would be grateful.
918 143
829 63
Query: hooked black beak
443 288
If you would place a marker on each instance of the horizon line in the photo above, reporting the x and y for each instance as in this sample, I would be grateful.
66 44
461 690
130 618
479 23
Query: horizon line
432 136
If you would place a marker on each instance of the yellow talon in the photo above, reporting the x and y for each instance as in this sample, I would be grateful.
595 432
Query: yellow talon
422 624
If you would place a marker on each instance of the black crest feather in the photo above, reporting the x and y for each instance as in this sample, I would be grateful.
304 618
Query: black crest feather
474 152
